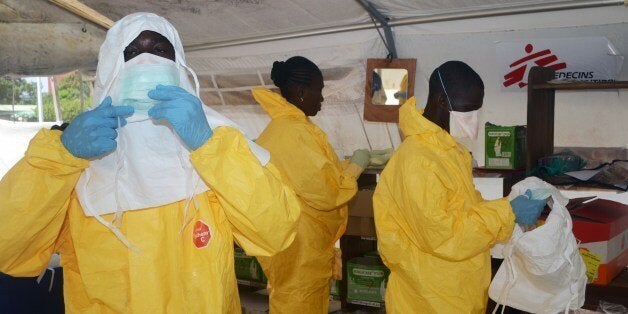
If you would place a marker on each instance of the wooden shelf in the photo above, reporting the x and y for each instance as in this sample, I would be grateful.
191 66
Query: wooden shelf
540 116
540 143
581 85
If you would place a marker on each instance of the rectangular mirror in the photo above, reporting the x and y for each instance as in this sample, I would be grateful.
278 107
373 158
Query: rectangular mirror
390 87
389 83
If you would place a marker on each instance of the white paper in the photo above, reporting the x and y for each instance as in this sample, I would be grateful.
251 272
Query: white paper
490 188
584 175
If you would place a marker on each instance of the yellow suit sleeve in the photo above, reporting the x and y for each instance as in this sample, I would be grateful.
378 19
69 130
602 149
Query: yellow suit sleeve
445 226
34 196
317 180
262 210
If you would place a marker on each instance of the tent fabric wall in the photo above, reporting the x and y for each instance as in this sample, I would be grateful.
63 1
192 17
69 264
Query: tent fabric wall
579 116
202 23
582 118
409 8
14 139
341 115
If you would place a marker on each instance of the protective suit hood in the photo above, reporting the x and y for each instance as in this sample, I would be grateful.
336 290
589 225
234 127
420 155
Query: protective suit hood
412 122
150 166
121 34
274 104
111 60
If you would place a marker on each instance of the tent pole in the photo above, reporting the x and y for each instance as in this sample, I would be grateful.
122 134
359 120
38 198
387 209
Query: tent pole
78 8
525 9
441 17
383 21
52 86
40 106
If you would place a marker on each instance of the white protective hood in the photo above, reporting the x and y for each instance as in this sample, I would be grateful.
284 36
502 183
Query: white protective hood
151 166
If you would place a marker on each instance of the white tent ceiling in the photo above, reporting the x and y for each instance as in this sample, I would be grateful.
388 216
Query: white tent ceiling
37 37
40 38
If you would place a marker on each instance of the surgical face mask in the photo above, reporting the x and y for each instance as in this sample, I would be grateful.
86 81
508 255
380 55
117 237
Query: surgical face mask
461 124
138 76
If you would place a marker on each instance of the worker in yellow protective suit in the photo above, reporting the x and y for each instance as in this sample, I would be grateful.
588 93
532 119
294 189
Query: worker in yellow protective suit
299 276
434 230
144 196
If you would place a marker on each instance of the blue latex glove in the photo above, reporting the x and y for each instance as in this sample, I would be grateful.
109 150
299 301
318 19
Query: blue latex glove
184 112
93 133
526 209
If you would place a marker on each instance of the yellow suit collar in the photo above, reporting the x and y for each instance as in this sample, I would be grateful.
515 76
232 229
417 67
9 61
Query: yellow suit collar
275 105
412 122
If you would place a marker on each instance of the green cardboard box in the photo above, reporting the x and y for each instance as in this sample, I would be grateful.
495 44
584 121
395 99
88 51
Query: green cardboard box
367 278
505 146
247 267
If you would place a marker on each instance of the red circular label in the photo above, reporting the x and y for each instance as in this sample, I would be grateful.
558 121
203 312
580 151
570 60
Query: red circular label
201 234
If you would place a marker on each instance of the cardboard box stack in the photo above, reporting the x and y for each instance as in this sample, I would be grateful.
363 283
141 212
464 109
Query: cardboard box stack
601 226
367 279
360 222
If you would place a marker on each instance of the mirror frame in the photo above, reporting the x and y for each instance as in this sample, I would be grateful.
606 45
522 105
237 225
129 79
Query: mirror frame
388 113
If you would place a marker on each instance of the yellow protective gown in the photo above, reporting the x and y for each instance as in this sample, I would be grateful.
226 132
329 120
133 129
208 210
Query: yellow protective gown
299 276
434 230
40 214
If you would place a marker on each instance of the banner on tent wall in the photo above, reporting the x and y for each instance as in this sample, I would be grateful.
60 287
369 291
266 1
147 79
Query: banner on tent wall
590 59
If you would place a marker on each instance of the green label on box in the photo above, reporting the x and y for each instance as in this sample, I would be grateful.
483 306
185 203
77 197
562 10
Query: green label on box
367 279
504 146
359 273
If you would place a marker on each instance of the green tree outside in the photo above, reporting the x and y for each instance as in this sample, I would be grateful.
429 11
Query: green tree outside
69 98
18 99
17 91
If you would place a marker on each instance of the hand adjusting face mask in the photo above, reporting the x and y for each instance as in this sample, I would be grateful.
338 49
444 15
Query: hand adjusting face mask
461 124
150 166
138 76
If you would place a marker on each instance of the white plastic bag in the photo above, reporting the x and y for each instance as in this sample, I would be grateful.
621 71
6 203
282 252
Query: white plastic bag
542 271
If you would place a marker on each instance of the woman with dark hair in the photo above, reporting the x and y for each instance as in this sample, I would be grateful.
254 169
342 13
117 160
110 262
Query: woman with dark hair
299 276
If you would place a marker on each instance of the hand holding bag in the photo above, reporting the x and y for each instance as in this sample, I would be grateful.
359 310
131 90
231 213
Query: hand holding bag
542 271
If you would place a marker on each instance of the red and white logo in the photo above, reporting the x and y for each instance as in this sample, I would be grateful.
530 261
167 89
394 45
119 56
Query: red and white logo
584 59
543 58
201 234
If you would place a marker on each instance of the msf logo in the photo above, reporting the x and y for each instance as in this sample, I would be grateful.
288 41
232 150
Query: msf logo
543 58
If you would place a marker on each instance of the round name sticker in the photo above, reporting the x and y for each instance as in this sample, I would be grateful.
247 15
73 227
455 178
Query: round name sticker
201 234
